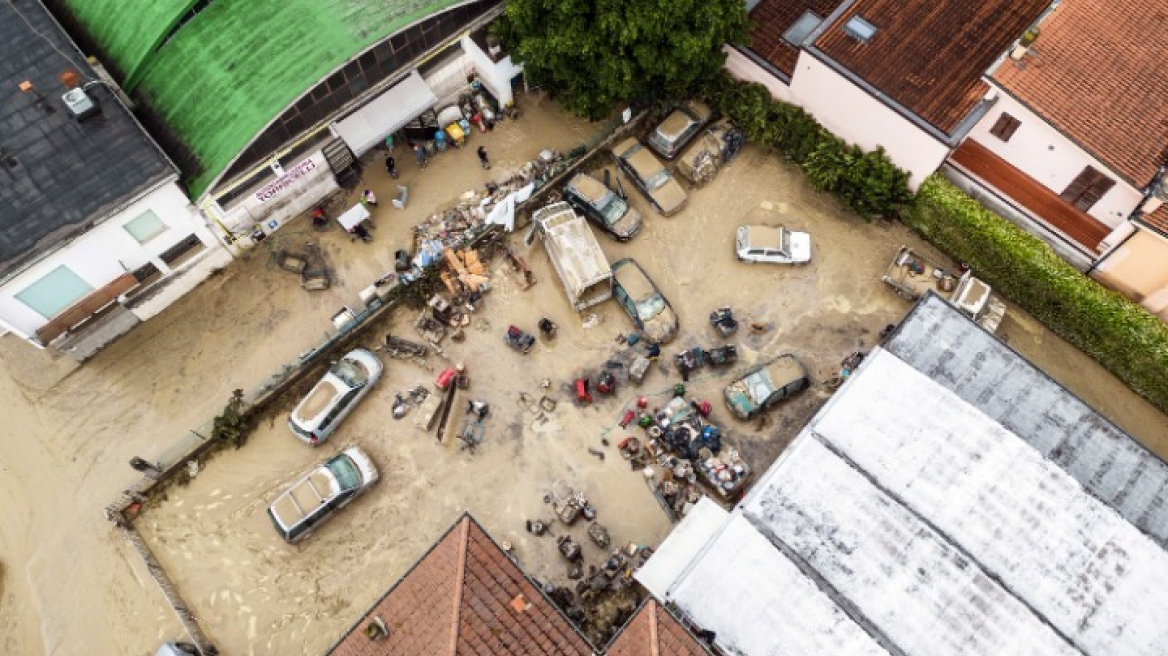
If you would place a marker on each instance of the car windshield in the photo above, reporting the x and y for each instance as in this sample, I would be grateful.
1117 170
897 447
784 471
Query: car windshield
612 207
658 179
650 307
351 372
759 386
346 471
785 241
662 144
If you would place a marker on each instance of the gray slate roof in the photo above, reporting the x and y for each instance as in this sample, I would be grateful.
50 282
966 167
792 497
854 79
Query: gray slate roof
57 175
938 341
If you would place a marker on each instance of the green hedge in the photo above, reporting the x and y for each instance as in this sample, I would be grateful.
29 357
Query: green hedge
1118 333
869 182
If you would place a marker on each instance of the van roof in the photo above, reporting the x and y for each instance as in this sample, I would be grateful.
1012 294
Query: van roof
570 241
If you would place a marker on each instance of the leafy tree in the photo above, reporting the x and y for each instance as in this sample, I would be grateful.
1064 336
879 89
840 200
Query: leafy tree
595 54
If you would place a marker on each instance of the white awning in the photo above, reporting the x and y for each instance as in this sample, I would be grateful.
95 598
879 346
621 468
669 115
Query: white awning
368 126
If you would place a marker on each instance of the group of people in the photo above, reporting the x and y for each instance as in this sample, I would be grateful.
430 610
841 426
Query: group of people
423 158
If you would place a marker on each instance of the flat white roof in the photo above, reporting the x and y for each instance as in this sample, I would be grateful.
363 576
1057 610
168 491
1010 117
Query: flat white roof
758 602
903 520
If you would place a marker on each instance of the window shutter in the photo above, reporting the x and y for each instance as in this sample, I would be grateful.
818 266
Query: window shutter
1087 188
1005 127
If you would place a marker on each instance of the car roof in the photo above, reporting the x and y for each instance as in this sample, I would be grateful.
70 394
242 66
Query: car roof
764 237
630 276
785 369
588 187
318 399
676 123
642 161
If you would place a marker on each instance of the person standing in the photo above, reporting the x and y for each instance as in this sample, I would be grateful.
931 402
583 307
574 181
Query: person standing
369 197
391 167
420 153
483 159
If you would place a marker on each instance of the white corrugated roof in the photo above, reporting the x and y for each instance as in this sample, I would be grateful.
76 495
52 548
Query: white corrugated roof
756 601
929 528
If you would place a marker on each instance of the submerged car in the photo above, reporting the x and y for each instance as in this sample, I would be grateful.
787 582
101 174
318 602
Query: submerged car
318 496
772 244
650 312
602 206
765 385
335 396
650 176
679 128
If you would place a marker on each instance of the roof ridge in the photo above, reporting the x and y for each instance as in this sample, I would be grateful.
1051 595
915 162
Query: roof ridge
654 641
459 581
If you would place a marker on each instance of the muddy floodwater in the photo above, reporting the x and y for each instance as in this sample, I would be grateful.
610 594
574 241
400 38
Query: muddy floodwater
70 585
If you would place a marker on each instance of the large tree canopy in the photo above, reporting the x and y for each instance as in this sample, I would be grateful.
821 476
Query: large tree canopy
596 53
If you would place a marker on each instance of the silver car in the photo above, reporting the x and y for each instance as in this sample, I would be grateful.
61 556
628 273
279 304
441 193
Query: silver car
310 501
335 396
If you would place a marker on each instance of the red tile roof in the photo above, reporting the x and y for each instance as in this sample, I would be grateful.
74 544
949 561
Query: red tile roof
772 18
930 55
465 598
655 631
1098 72
1158 219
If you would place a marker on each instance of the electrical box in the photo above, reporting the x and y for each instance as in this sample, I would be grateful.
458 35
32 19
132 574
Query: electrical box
80 105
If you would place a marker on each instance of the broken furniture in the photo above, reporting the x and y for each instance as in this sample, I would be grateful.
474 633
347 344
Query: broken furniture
291 261
723 321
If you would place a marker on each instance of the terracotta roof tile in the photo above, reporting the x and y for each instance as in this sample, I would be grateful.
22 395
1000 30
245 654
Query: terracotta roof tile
653 623
772 18
1098 72
1158 219
420 609
930 55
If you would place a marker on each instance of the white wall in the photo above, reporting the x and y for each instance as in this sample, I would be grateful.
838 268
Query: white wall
106 252
272 200
855 116
741 67
1044 154
496 76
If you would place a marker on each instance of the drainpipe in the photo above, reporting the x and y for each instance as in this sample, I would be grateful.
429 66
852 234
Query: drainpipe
1149 191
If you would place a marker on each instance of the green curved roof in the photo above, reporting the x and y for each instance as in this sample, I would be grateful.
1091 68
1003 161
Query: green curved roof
238 63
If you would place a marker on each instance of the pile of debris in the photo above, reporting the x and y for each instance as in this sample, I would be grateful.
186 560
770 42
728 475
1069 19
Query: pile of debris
681 450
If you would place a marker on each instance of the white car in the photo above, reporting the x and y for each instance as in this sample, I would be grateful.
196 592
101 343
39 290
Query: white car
335 396
310 501
776 245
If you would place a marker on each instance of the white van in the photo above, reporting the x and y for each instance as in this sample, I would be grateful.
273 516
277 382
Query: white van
310 501
335 396
575 254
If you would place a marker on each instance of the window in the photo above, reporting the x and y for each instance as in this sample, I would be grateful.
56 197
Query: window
55 292
1005 127
802 27
860 28
1087 188
146 227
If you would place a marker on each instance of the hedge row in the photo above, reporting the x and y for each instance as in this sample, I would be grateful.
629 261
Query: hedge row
1113 330
867 181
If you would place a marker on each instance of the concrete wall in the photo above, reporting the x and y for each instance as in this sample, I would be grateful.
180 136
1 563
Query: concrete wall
1043 153
855 116
276 200
107 252
496 76
1138 268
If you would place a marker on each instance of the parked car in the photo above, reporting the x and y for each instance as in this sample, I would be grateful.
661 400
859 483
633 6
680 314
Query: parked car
765 385
679 128
650 176
772 244
335 396
650 312
602 206
313 499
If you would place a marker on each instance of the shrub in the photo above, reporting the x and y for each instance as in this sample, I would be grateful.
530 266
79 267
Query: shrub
1113 330
869 182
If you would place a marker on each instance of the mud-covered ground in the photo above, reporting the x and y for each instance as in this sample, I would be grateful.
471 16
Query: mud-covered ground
71 584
